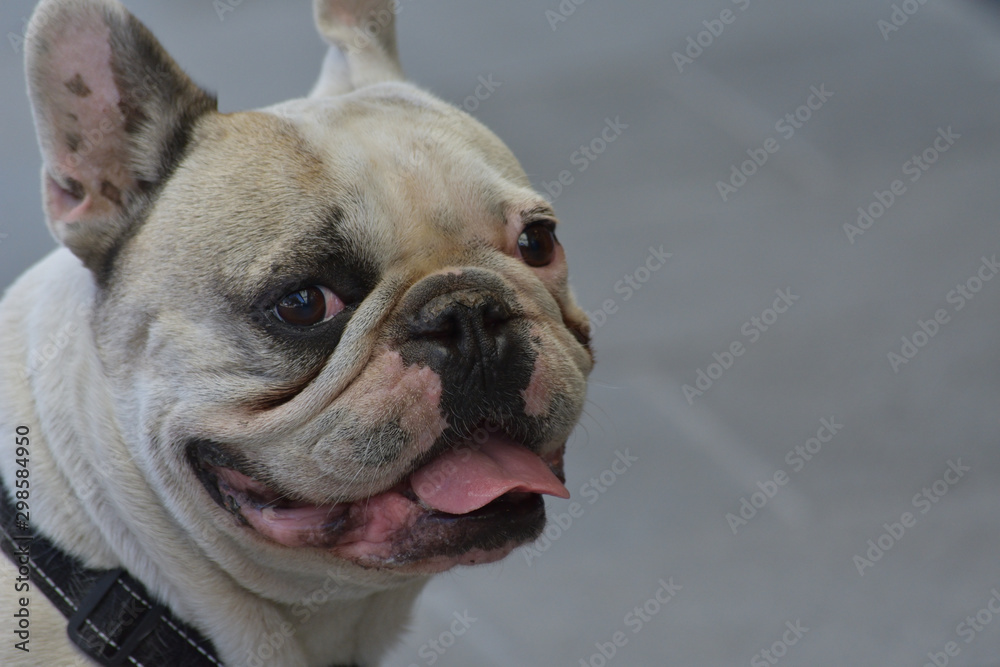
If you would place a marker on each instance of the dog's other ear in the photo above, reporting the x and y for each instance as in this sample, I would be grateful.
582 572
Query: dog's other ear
362 37
113 113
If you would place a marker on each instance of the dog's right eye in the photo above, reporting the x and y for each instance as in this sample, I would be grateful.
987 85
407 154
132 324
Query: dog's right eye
308 307
537 244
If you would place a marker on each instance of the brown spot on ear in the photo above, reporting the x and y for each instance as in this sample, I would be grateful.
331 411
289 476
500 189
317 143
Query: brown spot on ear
73 141
78 86
75 188
111 193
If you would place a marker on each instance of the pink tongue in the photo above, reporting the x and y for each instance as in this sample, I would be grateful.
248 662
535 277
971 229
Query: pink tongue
463 480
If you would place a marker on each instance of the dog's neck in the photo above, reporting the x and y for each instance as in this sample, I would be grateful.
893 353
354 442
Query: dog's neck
107 514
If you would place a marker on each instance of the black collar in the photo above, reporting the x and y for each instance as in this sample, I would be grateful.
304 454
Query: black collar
112 617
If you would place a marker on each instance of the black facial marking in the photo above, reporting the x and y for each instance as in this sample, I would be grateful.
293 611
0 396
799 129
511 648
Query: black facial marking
322 258
78 86
73 141
467 328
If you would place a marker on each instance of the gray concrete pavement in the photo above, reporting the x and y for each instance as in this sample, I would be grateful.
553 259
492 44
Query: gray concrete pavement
783 577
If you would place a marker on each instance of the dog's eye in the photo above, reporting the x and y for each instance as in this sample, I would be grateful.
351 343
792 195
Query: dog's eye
308 307
537 244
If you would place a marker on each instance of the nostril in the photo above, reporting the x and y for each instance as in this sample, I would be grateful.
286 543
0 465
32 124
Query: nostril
495 315
438 319
441 329
471 322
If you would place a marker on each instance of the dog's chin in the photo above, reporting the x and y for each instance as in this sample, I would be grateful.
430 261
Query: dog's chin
409 527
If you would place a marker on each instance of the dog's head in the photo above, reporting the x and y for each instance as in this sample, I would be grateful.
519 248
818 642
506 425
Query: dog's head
335 329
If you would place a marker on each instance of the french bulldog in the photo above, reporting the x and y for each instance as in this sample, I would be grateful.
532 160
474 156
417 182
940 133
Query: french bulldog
326 346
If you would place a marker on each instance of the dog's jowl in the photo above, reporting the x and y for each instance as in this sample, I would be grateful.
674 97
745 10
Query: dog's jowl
312 353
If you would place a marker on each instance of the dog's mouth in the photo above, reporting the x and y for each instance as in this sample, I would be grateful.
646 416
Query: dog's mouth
472 504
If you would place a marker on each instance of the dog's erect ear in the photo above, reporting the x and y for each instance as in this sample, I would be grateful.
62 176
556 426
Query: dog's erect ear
113 113
362 37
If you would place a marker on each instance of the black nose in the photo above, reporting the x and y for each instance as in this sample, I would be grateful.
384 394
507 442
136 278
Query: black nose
468 328
470 324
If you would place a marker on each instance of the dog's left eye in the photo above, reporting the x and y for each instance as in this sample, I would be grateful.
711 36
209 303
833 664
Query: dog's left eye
537 244
308 307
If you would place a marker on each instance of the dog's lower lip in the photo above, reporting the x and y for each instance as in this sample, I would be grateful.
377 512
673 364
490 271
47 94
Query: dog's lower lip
300 523
368 526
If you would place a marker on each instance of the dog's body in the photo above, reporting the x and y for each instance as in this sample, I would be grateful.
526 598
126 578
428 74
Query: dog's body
290 362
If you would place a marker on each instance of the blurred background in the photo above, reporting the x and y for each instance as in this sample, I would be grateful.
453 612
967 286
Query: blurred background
790 452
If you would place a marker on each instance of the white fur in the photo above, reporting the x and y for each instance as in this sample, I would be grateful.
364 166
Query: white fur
89 496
